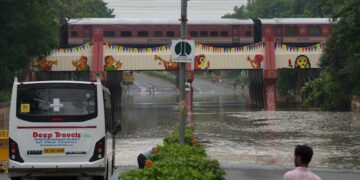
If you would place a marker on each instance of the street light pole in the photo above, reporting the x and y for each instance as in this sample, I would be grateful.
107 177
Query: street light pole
182 103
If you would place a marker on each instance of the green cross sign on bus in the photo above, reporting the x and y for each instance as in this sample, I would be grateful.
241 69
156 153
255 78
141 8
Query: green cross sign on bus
183 50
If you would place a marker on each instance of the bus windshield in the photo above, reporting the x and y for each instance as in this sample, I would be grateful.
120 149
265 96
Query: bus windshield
64 102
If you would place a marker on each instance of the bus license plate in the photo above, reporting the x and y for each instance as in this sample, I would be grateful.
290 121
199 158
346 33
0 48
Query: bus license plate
54 150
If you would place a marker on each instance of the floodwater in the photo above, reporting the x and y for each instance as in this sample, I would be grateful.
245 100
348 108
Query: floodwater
235 134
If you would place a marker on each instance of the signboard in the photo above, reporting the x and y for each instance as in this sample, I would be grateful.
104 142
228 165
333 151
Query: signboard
183 50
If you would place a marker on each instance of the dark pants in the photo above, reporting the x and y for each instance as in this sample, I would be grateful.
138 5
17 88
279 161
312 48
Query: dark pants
141 161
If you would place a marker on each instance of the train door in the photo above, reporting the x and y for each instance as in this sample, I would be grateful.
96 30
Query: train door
236 34
279 32
87 34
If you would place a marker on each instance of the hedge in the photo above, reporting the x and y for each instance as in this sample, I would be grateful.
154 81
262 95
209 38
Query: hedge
178 161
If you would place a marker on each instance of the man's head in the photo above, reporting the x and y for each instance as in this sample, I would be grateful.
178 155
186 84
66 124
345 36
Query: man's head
303 155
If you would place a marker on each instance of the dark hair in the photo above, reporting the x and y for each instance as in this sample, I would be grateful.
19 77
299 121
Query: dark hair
305 152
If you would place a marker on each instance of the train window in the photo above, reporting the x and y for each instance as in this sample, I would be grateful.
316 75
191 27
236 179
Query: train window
143 33
126 34
204 33
214 34
291 31
74 34
193 33
170 34
87 32
248 33
158 33
314 31
224 34
109 34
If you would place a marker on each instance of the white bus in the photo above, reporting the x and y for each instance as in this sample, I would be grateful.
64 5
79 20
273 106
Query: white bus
61 128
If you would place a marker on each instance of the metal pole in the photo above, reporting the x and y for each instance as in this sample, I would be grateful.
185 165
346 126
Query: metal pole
182 103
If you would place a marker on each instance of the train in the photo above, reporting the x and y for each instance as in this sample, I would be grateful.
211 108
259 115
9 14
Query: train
214 32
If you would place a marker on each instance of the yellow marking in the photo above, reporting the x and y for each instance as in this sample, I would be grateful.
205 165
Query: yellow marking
54 150
25 108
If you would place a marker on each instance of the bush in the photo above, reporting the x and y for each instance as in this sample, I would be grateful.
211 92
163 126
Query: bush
179 161
4 95
174 137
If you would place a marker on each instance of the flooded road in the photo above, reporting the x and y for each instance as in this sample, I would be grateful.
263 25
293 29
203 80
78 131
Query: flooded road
235 134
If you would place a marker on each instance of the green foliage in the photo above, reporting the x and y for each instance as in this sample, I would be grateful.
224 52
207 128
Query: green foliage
4 95
179 161
285 8
340 80
326 93
81 9
28 29
174 137
31 28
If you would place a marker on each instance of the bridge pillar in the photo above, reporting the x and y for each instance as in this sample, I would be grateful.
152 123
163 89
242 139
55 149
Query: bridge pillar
270 77
270 74
98 54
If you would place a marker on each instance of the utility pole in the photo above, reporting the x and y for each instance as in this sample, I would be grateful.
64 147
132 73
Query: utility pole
182 103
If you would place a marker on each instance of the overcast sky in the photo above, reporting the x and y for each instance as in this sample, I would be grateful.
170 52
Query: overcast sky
197 9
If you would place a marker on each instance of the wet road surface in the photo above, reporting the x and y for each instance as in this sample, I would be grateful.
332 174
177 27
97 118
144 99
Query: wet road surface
234 133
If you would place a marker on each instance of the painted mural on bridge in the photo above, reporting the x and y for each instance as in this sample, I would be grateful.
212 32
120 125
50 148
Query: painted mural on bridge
66 59
298 57
81 64
122 58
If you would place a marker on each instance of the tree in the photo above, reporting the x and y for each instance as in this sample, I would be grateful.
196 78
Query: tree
29 28
341 61
239 12
285 8
68 9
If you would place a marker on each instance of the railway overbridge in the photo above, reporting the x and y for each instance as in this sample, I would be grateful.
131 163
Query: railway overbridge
262 61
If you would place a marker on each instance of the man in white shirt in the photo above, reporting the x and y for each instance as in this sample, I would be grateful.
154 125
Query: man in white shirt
302 158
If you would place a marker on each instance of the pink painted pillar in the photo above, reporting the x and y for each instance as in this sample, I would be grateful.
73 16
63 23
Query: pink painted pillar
270 73
98 51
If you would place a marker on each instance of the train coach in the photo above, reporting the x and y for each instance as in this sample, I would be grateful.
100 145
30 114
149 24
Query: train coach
294 31
220 32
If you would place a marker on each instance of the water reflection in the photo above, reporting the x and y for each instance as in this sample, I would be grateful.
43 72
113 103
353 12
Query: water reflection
235 134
